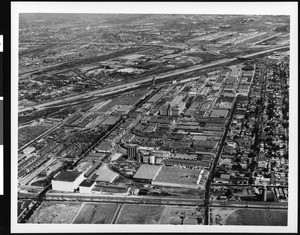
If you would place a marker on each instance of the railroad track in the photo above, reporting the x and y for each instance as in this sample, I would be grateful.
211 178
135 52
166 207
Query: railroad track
40 197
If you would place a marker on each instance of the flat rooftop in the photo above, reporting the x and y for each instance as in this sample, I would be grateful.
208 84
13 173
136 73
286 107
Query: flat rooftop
69 176
175 175
219 113
87 183
185 156
105 174
147 172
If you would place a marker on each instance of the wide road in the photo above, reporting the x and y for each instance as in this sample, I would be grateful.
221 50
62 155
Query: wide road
249 185
250 204
124 199
211 173
157 77
107 44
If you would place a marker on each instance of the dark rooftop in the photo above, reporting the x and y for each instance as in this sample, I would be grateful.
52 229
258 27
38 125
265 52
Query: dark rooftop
68 176
87 183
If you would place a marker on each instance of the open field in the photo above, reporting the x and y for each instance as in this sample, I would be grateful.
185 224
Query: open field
247 216
218 216
258 217
55 213
140 214
100 213
180 215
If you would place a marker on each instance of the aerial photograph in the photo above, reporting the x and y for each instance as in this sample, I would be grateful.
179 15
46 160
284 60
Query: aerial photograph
166 119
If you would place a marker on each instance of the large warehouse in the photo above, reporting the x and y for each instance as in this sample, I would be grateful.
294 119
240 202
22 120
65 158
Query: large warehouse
178 177
147 172
67 181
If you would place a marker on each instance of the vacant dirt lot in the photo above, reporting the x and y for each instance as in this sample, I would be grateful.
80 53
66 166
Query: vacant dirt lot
140 214
218 216
96 213
177 215
55 213
258 217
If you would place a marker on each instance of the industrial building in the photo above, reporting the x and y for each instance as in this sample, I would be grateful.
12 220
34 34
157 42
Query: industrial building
147 172
219 113
67 181
94 167
103 174
177 109
194 164
178 177
86 186
164 110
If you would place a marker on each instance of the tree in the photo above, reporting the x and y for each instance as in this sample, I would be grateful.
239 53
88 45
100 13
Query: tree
285 124
217 174
276 147
265 169
258 102
255 131
228 193
67 165
269 140
253 165
237 167
252 155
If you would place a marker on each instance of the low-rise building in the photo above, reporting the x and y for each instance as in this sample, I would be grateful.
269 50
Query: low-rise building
86 186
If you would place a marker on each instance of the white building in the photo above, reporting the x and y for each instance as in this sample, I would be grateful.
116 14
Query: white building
86 186
67 181
152 159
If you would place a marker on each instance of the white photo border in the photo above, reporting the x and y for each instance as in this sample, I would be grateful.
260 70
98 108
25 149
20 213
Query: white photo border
230 8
